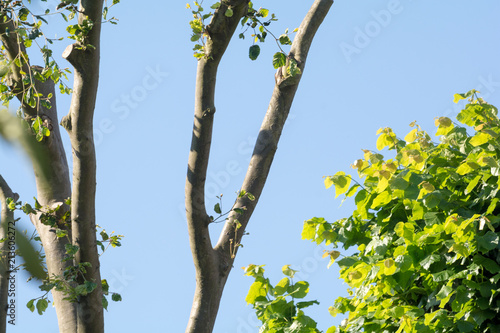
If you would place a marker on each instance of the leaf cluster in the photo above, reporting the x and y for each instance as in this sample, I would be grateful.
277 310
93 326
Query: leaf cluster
426 227
257 21
276 306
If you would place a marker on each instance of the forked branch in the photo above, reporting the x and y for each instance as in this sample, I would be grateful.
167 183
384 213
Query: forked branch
213 264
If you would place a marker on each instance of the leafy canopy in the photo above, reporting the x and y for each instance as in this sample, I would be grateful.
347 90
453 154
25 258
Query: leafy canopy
426 227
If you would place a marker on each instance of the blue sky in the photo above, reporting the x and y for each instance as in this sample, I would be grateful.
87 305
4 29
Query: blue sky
372 64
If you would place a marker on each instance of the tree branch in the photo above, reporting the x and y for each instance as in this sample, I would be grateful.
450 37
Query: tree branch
49 163
214 264
269 134
14 48
220 31
79 124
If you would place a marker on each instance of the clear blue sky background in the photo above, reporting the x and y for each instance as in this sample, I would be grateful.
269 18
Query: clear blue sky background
407 67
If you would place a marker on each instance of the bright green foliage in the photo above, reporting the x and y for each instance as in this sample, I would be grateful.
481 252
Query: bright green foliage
256 20
30 33
276 306
252 19
426 227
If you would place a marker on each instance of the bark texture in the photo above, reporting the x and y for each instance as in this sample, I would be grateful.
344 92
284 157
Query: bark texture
79 124
213 263
51 168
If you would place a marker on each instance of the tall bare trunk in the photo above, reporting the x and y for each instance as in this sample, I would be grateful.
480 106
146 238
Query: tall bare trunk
213 264
51 172
79 124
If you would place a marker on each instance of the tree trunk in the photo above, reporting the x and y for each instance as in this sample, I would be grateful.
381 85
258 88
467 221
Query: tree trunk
79 124
213 264
51 174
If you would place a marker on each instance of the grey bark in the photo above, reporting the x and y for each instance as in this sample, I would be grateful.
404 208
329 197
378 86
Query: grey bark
52 173
213 264
79 124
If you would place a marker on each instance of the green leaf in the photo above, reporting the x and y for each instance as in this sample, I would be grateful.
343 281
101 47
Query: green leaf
381 199
30 305
288 271
285 40
279 60
217 208
487 263
229 12
472 184
293 68
37 204
300 289
389 266
405 230
71 249
41 305
479 139
459 97
341 182
254 52
428 261
257 289
104 286
302 305
398 183
465 326
90 286
104 235
281 287
492 206
115 297
444 292
487 242
263 12
105 303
